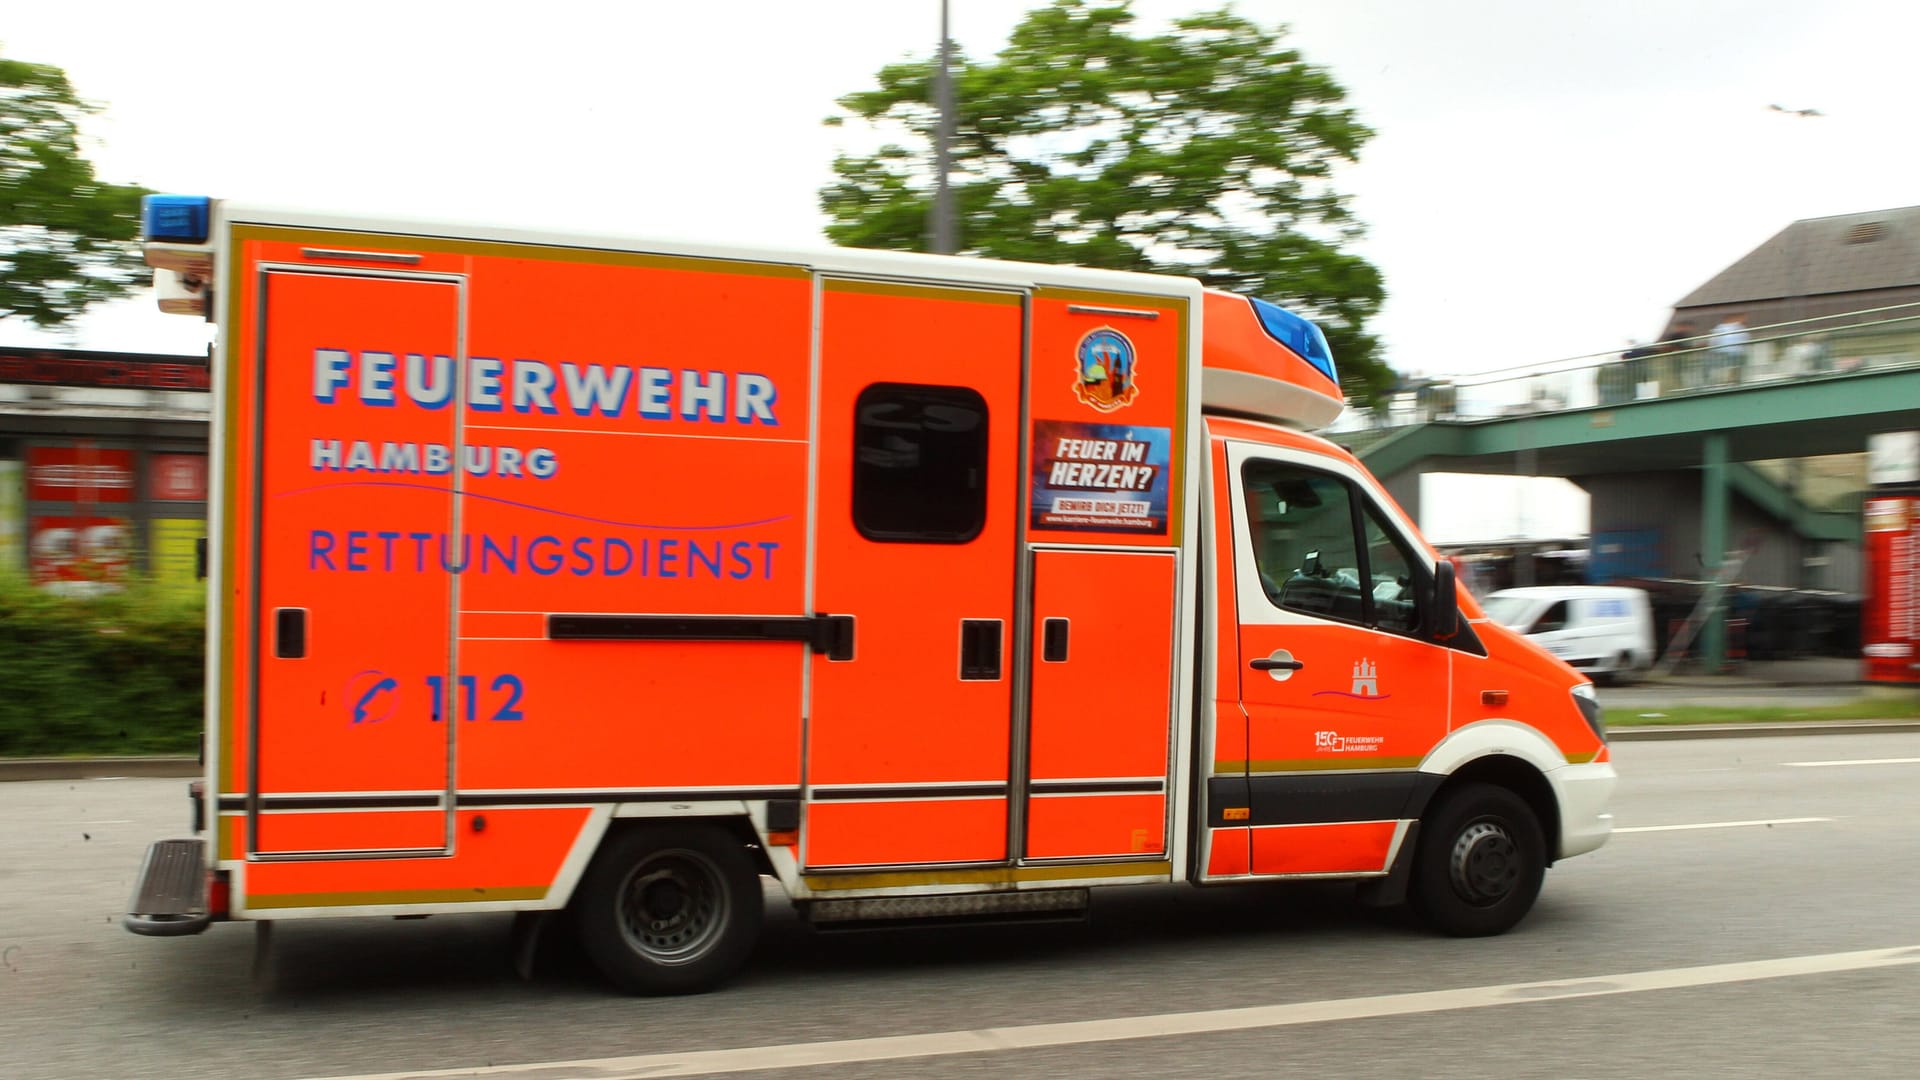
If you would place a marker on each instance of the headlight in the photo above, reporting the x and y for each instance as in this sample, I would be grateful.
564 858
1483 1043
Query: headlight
1589 704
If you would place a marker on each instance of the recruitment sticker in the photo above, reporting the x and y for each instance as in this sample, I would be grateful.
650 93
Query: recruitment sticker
1100 477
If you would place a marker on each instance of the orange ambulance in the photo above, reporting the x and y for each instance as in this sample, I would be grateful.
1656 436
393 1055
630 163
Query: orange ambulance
559 573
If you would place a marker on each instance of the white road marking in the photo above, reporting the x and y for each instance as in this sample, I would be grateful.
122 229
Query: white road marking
116 821
1862 761
1723 824
1037 1036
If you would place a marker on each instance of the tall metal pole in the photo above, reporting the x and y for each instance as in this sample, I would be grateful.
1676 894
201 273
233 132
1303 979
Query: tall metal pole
941 226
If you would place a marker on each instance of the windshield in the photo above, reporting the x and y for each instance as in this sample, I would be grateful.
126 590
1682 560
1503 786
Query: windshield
1509 611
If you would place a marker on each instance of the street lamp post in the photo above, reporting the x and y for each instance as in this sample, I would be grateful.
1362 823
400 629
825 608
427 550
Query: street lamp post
941 238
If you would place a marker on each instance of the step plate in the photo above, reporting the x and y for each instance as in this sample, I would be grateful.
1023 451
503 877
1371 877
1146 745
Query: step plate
170 895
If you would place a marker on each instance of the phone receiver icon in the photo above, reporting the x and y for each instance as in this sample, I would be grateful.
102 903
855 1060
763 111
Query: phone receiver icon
360 708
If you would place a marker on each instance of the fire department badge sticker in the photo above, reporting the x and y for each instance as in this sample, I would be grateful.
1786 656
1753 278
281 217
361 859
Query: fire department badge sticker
1105 366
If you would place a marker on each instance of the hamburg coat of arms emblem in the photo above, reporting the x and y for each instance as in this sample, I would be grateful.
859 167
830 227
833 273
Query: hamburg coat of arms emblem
1105 364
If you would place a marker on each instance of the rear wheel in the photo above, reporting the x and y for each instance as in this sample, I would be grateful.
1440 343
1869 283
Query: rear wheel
1480 862
670 909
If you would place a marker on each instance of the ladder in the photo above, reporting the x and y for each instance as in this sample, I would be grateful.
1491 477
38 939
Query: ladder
1712 598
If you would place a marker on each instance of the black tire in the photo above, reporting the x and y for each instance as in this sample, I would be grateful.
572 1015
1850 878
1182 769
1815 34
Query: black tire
1480 861
670 909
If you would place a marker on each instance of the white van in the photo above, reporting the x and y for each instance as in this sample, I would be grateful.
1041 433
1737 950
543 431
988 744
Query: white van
1604 630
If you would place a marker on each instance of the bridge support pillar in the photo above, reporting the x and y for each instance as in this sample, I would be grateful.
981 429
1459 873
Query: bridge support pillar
1713 546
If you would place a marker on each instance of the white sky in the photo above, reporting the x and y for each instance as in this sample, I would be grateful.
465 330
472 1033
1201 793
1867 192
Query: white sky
1548 178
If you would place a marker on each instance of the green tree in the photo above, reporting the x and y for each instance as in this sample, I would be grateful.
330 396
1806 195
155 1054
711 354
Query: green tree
67 239
1207 150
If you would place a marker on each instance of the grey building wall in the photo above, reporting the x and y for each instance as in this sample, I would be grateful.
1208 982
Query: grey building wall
1662 511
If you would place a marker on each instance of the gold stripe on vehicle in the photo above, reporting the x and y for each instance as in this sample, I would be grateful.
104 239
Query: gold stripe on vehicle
281 901
1317 764
506 249
991 875
984 294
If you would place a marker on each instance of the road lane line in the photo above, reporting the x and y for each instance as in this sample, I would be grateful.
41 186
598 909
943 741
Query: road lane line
1072 1033
1723 824
1861 761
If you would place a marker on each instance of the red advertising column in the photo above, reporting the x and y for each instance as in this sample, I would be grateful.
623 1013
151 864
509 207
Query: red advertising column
83 547
1890 611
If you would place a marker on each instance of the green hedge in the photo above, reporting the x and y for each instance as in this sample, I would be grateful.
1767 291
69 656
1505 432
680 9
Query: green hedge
117 674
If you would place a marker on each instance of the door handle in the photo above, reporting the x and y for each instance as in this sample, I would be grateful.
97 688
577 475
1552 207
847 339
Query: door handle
1269 664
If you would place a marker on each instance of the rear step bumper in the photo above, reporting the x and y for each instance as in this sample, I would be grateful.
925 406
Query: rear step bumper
170 895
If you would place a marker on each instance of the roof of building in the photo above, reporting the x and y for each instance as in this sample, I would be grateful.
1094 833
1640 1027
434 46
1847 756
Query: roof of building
1879 249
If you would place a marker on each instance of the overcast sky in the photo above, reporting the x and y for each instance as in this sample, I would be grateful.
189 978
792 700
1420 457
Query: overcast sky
1548 178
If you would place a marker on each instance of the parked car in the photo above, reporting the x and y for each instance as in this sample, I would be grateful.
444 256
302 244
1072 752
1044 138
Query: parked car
1603 630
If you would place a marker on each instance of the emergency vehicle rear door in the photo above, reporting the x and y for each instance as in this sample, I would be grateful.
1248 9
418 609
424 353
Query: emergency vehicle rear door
1343 697
353 479
909 730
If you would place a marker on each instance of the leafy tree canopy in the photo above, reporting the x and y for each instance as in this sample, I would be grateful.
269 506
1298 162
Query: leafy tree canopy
67 240
1207 150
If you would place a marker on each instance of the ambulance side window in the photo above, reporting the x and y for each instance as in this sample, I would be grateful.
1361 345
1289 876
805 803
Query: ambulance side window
1323 550
919 463
1391 570
1303 540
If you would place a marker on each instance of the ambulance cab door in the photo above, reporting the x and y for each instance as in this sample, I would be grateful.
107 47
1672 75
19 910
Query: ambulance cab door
354 415
908 733
1343 693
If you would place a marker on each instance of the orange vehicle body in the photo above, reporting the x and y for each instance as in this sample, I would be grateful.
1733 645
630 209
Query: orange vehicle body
928 578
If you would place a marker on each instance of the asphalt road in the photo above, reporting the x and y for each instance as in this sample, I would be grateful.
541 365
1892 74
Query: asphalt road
1789 949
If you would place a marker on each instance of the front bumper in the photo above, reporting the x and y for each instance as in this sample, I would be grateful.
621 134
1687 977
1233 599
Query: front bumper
1583 792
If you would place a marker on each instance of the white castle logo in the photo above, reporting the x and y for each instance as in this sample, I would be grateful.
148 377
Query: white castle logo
1366 679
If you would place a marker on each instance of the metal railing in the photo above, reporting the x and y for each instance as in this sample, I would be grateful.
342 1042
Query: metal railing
1877 339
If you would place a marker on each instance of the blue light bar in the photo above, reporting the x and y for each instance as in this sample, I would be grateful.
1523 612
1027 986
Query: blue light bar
1296 333
175 218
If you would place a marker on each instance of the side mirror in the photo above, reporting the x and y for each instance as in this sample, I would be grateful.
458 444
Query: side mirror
1446 602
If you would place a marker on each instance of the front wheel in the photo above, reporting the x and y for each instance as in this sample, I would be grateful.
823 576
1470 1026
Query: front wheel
1480 861
670 909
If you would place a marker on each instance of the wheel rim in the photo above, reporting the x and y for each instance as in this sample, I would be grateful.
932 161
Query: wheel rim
673 907
1485 863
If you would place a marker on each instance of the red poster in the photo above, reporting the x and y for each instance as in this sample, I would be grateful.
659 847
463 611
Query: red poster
74 550
177 477
1890 615
79 474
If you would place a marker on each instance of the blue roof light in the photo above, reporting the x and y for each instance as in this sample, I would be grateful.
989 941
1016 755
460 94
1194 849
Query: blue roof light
1298 334
176 218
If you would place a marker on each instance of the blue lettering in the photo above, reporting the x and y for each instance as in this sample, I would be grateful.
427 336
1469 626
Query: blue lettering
768 548
356 550
616 544
466 554
490 550
389 537
533 557
584 554
419 550
743 565
318 552
669 558
697 556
